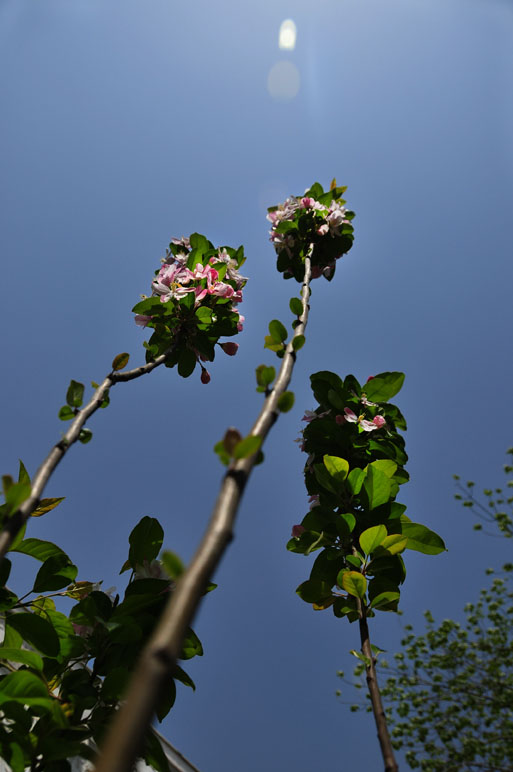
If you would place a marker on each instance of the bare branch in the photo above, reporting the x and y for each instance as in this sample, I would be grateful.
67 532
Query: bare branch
43 474
158 660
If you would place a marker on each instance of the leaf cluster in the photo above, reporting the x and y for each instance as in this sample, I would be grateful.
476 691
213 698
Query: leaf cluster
356 463
64 672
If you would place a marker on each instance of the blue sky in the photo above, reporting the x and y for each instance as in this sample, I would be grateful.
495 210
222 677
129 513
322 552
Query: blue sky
127 122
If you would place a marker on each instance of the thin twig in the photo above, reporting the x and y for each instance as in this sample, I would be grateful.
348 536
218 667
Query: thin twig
157 663
43 474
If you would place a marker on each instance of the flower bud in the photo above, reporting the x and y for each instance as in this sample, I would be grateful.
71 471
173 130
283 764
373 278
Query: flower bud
230 348
205 375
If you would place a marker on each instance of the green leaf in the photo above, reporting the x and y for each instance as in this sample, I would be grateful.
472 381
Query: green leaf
120 361
394 543
55 573
5 571
271 344
191 646
154 756
298 341
386 466
46 505
39 549
222 453
265 375
354 583
23 656
383 386
75 394
183 677
145 541
286 401
85 436
277 331
23 475
66 413
314 591
16 495
22 685
420 538
355 480
377 487
296 306
372 538
360 656
385 599
247 447
36 631
172 563
186 362
338 468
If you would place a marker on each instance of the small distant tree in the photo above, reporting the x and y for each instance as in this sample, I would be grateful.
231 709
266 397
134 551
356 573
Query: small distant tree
449 692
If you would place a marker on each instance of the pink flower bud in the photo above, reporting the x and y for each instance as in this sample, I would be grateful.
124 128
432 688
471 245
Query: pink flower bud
340 419
378 421
370 378
230 348
297 530
205 375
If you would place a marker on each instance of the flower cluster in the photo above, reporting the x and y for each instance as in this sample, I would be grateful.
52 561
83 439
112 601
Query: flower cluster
194 301
317 224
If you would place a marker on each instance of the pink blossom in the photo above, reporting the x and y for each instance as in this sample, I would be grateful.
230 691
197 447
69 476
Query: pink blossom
323 229
230 348
311 415
351 417
142 320
314 500
379 421
367 426
150 570
297 530
370 378
205 375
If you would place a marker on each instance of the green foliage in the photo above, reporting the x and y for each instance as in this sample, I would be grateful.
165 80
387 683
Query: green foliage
355 467
264 376
58 694
494 506
448 692
75 394
296 306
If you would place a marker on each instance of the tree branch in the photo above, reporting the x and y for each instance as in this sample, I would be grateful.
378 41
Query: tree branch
377 706
158 660
43 474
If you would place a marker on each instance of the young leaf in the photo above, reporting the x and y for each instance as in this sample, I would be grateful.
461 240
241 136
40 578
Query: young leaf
277 331
247 446
372 538
337 467
66 413
85 436
120 361
173 565
23 475
286 401
354 583
75 394
298 342
296 306
265 375
384 600
46 505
